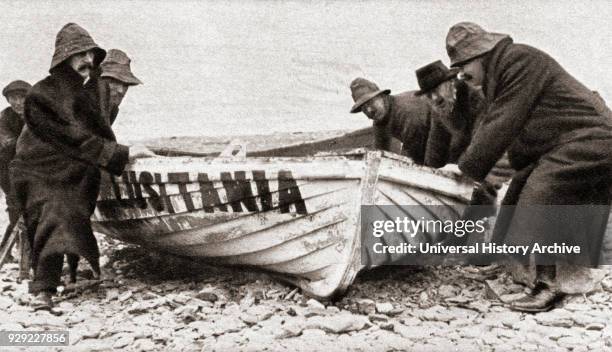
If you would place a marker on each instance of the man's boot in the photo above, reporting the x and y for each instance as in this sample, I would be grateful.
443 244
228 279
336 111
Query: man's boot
42 301
544 296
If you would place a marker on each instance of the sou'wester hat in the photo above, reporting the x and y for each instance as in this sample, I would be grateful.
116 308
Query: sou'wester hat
364 90
117 66
467 40
73 39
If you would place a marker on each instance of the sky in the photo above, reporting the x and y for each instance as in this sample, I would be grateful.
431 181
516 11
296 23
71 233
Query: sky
243 67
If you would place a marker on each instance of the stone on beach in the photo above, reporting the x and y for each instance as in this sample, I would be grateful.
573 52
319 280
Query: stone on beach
123 341
339 323
384 308
248 312
314 304
366 306
208 294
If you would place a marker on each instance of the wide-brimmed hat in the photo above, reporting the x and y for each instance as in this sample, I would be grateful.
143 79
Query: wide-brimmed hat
364 90
16 86
73 39
432 75
466 41
117 66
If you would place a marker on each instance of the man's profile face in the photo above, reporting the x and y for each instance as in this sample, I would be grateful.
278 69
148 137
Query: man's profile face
473 72
443 97
375 108
117 90
16 100
82 63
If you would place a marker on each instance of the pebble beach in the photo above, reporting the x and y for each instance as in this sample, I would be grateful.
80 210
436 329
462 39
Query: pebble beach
148 301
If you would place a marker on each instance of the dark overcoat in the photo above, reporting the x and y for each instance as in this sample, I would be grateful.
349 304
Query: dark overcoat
558 135
56 172
424 138
534 106
11 125
96 109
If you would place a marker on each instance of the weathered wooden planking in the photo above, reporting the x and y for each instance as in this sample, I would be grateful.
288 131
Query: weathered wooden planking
299 217
400 172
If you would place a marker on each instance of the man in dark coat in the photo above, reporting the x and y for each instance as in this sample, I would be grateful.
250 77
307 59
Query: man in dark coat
108 87
558 135
11 124
56 169
98 106
407 118
459 107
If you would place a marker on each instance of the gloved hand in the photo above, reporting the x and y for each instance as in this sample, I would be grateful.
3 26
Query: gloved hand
140 151
482 204
485 193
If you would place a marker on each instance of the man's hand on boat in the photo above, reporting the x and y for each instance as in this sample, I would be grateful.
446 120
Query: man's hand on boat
485 193
138 151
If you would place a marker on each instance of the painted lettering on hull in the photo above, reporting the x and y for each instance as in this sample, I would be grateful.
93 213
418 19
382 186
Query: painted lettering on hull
133 190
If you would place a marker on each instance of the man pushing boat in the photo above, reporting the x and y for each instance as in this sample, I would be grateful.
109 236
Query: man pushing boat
459 108
59 154
11 124
408 118
432 133
558 135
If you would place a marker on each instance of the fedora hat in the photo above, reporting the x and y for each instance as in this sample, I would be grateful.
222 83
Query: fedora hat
466 41
73 39
16 86
431 75
117 66
362 91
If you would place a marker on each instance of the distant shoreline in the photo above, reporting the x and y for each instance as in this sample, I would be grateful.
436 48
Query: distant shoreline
255 142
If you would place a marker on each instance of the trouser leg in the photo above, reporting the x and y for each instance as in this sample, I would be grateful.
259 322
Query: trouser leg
48 273
73 264
25 253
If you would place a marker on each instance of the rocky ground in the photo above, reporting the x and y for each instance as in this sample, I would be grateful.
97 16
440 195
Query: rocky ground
149 302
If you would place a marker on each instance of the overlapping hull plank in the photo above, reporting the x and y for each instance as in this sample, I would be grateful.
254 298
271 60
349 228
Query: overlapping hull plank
298 217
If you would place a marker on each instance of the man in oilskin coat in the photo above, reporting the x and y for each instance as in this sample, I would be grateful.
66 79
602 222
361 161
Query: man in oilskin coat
558 136
408 118
56 169
98 106
11 124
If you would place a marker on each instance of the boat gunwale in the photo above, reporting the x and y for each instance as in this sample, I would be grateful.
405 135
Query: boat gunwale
369 174
350 155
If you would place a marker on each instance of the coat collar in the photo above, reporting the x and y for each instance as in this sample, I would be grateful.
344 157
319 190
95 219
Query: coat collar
391 119
12 118
395 121
93 102
492 65
9 111
67 75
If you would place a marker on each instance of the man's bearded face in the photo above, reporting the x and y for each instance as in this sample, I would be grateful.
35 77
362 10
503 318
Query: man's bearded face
473 72
82 63
376 108
443 98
